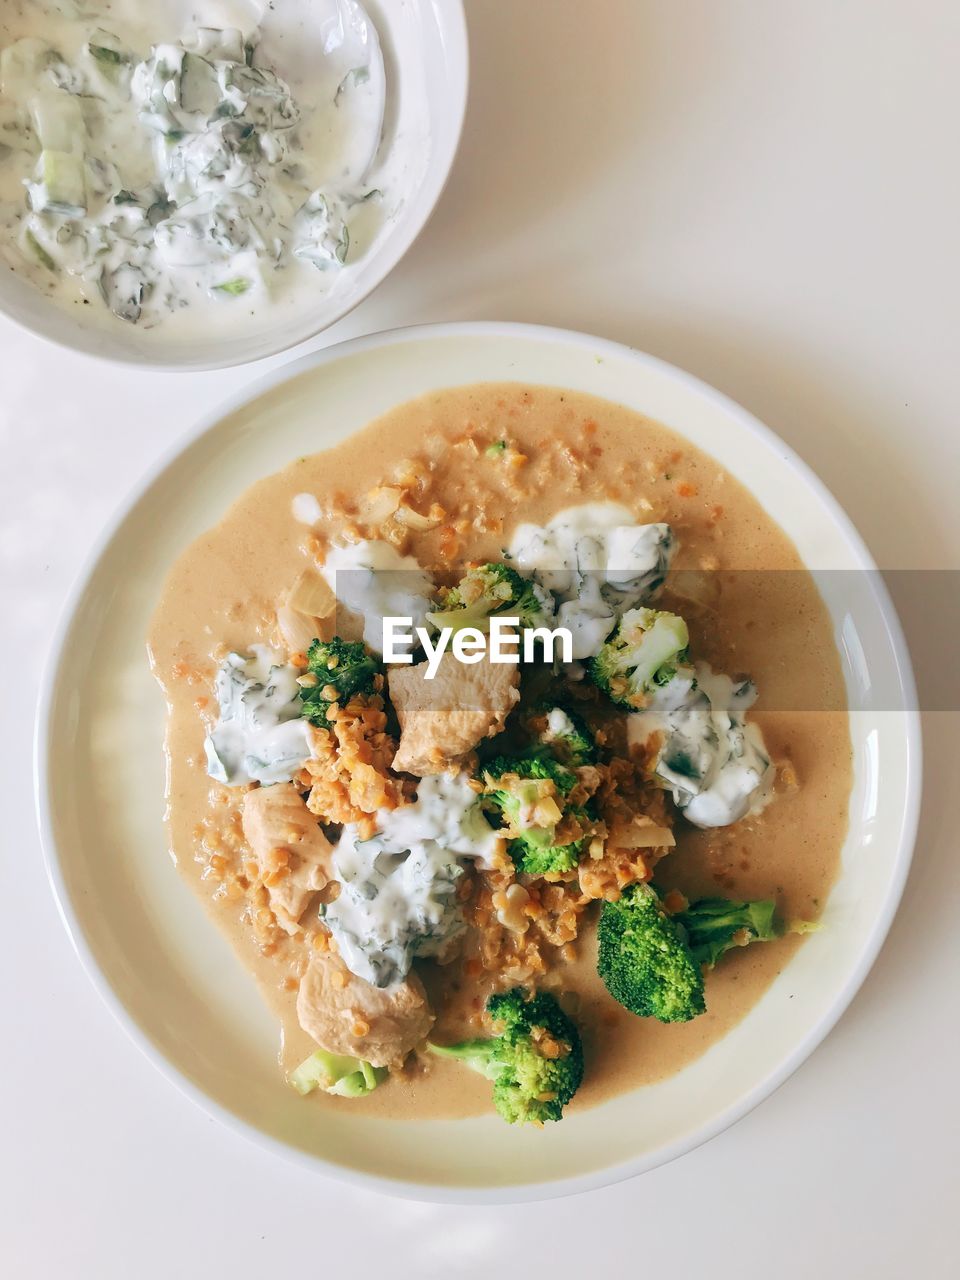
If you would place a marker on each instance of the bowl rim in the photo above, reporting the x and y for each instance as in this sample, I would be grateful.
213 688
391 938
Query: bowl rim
46 728
457 57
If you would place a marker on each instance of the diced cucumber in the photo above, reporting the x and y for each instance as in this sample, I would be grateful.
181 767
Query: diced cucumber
199 90
20 65
109 57
113 61
38 251
58 121
122 290
222 45
107 48
60 187
234 287
352 80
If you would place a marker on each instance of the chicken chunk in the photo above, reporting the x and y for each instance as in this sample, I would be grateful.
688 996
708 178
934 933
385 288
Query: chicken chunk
347 1015
292 853
442 719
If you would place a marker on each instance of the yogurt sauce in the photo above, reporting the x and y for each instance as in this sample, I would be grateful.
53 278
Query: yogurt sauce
373 580
156 179
715 764
398 899
598 562
259 735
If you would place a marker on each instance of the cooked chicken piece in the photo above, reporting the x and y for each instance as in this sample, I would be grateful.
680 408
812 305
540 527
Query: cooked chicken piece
444 718
347 1015
291 851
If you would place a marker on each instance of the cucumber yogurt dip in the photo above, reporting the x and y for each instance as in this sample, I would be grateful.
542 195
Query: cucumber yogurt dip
158 179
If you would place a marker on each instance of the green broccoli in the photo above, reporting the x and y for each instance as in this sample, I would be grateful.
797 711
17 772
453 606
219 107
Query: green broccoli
567 736
532 858
643 653
644 960
537 764
529 791
714 925
347 1077
341 669
536 1063
490 589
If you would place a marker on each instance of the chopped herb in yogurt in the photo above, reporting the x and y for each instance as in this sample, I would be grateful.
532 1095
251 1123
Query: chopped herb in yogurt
712 760
395 904
374 581
598 563
259 735
398 899
153 179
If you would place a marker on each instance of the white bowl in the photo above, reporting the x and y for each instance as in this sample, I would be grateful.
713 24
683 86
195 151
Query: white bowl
171 979
424 45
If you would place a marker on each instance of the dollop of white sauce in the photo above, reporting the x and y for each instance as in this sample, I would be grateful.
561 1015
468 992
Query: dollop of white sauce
394 905
597 562
715 763
398 896
559 724
447 810
306 509
259 735
374 580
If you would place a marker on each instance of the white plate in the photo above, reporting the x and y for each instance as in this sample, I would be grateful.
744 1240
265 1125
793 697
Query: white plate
171 979
424 53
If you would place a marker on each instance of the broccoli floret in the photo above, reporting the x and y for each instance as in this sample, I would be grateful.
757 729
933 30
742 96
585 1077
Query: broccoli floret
567 737
643 653
528 791
343 669
537 764
348 1077
536 1063
532 858
714 925
490 589
645 961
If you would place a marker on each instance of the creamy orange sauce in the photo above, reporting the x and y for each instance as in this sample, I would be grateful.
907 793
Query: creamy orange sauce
564 448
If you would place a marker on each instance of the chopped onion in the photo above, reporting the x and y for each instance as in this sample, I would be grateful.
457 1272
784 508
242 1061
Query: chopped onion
696 586
414 520
510 907
380 503
297 630
301 612
311 595
641 834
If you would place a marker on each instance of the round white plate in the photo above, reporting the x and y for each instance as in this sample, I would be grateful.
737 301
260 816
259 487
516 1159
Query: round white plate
172 980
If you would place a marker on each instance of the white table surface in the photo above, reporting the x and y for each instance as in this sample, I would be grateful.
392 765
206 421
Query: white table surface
765 193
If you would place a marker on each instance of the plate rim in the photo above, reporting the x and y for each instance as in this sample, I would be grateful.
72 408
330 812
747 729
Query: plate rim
45 729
